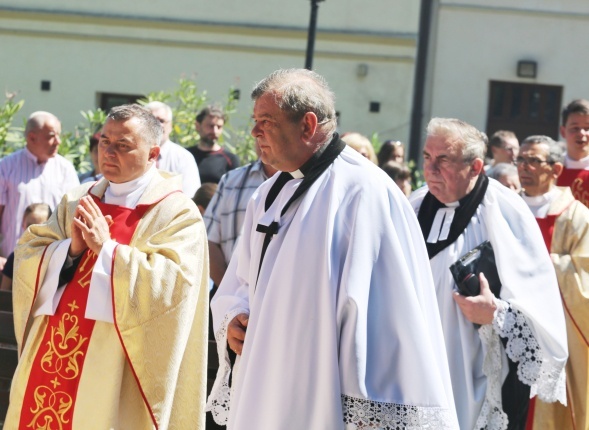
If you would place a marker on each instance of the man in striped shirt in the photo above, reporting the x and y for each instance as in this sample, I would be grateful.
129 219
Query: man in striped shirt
226 211
35 174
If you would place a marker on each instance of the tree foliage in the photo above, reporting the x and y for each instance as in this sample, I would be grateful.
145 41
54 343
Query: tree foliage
11 137
186 99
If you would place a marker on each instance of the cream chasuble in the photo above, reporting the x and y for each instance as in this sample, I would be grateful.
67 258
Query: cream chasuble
569 250
147 369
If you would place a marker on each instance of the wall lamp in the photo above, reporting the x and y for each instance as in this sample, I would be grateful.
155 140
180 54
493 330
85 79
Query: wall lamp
527 69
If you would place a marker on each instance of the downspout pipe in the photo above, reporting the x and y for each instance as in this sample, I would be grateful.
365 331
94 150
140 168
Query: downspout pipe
311 35
419 83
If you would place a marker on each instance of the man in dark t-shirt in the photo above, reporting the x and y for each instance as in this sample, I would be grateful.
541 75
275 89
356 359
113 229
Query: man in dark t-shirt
213 161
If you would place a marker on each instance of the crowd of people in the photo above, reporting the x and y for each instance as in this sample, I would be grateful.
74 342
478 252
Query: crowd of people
339 295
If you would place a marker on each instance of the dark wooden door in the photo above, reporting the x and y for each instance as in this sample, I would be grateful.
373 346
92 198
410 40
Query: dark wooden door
525 109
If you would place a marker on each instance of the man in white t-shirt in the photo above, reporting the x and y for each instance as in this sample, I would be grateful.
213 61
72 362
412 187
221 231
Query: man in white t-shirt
174 158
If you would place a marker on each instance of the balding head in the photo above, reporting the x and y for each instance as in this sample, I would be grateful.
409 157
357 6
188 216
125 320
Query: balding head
42 134
37 120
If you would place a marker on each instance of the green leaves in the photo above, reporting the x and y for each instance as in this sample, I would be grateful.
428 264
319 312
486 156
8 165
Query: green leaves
186 100
75 145
11 137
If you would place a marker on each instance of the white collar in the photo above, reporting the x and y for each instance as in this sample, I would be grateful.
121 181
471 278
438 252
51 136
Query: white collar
582 164
128 194
541 199
440 229
539 205
297 174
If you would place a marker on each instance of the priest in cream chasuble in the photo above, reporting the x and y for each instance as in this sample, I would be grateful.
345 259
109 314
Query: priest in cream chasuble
111 297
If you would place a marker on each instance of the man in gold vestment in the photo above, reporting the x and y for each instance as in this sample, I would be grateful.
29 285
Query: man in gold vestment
564 222
111 297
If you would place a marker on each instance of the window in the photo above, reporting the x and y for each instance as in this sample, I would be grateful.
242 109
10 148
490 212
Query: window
110 100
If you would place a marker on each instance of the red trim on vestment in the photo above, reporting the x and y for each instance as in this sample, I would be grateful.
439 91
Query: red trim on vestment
531 409
112 283
572 319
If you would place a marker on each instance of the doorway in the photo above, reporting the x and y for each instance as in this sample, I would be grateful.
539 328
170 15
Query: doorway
525 109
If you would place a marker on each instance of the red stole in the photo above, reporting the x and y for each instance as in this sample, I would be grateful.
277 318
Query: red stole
578 181
547 228
50 396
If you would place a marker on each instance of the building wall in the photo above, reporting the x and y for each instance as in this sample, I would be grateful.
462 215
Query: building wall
476 42
114 47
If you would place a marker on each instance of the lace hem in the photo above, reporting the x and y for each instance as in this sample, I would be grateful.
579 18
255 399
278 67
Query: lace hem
362 413
545 377
220 397
492 416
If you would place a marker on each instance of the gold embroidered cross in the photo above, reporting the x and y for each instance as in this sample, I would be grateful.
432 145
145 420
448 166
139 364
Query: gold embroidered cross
55 382
73 306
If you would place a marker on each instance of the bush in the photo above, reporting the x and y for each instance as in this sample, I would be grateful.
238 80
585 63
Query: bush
75 146
185 100
11 137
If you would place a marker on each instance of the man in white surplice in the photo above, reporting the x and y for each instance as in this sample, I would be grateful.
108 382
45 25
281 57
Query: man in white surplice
328 300
501 350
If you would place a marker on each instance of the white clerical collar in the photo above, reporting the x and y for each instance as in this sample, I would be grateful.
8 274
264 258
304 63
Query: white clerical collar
297 174
128 194
582 164
440 229
539 205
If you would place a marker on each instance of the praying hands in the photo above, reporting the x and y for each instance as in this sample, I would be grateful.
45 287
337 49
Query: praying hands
90 229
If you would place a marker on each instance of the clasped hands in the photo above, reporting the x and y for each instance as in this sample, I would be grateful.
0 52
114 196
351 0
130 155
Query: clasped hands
478 309
90 228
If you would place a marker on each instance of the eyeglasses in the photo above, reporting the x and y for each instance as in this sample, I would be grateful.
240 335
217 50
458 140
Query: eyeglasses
531 161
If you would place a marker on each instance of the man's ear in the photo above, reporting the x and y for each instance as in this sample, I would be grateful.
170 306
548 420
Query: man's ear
557 169
154 152
309 126
476 167
562 131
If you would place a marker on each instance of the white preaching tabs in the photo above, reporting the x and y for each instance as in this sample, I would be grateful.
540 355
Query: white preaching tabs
297 174
442 223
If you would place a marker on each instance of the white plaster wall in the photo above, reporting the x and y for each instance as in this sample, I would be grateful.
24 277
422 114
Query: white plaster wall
477 44
375 15
82 59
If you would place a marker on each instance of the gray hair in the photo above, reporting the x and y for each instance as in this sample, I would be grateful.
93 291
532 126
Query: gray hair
555 150
150 127
298 91
155 105
472 141
502 169
37 120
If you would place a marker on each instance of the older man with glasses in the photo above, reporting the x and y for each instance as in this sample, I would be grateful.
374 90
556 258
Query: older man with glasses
504 344
564 222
